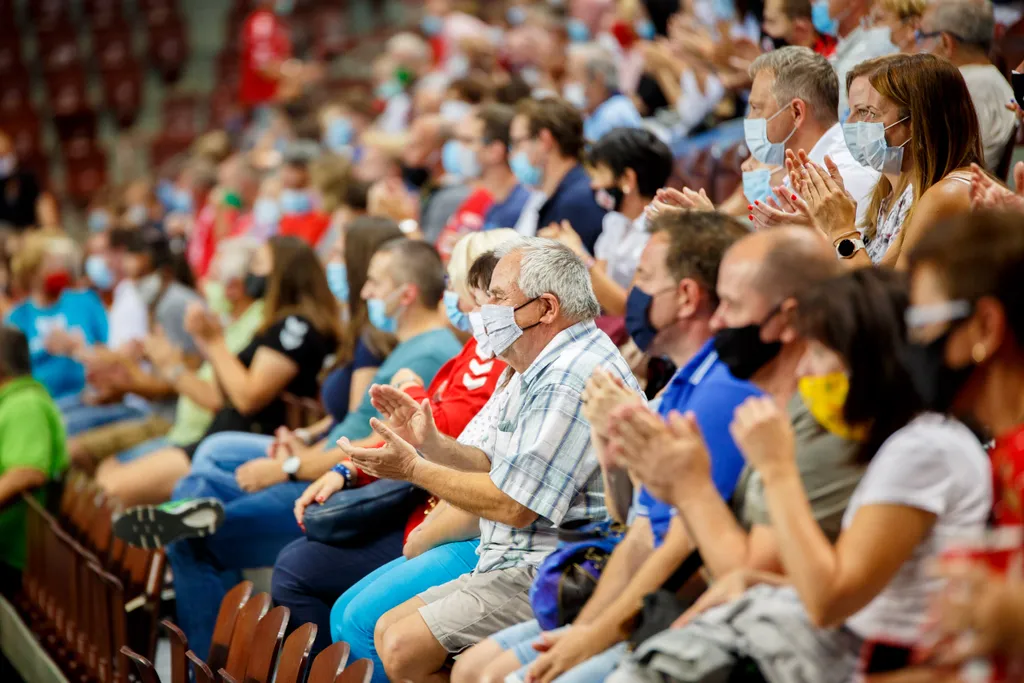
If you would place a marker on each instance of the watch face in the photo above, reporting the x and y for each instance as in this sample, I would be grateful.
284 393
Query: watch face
291 465
846 248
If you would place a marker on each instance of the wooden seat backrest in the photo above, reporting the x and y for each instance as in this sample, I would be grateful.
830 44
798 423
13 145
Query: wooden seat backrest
294 661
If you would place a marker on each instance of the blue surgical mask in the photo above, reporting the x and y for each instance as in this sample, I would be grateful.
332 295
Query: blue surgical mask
468 163
266 213
180 200
515 16
99 273
431 24
638 318
868 146
339 133
456 317
525 172
388 89
575 94
377 311
757 185
451 158
822 20
294 202
755 132
98 220
644 29
284 7
577 31
337 280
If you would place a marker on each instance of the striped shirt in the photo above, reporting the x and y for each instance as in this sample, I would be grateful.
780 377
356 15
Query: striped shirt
541 454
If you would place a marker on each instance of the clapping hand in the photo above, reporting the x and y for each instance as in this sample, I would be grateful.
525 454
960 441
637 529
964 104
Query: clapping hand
684 199
667 456
788 209
61 342
988 193
319 491
764 434
396 459
160 351
410 421
202 324
830 206
566 235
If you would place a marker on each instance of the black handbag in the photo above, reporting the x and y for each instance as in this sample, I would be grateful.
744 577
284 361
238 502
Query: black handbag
666 604
351 515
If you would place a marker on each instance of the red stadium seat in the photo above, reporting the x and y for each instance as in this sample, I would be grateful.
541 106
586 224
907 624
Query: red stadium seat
79 148
179 114
164 148
16 94
59 50
67 91
168 50
24 129
47 15
85 177
113 48
10 54
122 93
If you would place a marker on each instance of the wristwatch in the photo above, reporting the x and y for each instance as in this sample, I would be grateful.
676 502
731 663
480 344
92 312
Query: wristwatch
291 467
848 246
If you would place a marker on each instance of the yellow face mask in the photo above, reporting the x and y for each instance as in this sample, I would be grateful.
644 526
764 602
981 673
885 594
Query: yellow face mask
825 396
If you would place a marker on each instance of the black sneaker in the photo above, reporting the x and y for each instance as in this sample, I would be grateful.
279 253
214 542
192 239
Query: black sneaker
154 526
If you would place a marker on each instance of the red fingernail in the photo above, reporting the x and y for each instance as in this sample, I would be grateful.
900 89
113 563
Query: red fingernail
750 217
794 197
757 202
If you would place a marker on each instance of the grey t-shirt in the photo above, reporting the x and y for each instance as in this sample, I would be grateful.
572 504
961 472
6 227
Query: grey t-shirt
828 468
439 208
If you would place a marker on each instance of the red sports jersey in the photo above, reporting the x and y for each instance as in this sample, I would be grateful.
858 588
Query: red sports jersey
265 42
1008 478
469 217
309 227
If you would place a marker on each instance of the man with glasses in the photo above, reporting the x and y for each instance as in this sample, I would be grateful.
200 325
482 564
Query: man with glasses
962 32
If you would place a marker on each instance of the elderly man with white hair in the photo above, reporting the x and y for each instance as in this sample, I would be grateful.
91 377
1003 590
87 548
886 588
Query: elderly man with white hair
593 88
536 468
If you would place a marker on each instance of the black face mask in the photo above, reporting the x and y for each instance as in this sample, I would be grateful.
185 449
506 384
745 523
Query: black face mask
772 43
416 176
936 383
742 350
255 286
1017 80
609 198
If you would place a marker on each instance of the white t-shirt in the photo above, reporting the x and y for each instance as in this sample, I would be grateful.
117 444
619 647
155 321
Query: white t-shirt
128 316
991 92
528 217
934 464
620 244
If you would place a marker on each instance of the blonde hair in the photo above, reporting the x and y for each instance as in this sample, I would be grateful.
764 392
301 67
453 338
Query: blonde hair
904 9
468 249
34 248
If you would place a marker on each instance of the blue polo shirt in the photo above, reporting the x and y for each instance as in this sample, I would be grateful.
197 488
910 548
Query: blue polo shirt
618 111
573 201
505 214
705 387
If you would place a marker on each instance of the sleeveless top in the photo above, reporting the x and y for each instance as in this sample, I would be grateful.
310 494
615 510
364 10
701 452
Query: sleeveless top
889 223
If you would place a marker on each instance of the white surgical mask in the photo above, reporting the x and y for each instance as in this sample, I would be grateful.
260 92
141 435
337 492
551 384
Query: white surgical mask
867 144
575 94
755 131
500 326
483 344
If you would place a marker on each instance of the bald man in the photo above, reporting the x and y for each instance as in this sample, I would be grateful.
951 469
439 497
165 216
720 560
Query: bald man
756 337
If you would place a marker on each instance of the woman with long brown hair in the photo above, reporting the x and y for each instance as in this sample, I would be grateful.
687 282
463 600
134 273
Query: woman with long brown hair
301 327
911 119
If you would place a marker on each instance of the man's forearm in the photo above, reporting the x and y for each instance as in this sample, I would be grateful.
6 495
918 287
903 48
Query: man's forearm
17 480
711 525
474 492
314 462
451 453
626 559
654 572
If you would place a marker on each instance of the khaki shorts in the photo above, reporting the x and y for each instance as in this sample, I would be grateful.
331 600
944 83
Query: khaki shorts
103 442
473 607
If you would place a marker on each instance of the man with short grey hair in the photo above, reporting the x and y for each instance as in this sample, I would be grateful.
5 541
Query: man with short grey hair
593 88
535 468
962 32
792 106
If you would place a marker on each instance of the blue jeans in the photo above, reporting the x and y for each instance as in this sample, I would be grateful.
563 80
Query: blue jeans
256 527
309 576
521 637
79 417
356 612
142 449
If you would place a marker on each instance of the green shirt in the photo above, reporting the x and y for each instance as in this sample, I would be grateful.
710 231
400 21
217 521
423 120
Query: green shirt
31 436
191 420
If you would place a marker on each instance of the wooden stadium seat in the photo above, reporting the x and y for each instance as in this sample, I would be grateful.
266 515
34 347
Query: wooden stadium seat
227 616
179 648
144 667
294 661
200 669
266 645
245 631
329 664
360 671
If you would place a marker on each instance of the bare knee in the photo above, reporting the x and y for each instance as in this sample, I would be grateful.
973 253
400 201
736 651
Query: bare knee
472 666
398 649
496 668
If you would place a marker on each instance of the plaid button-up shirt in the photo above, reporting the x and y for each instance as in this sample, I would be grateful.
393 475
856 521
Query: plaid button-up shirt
540 452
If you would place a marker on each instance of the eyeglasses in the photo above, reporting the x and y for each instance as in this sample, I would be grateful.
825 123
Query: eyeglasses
920 35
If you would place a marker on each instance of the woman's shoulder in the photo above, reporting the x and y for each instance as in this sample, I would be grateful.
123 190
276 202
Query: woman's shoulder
933 438
952 190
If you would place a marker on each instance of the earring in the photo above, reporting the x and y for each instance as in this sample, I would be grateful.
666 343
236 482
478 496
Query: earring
978 353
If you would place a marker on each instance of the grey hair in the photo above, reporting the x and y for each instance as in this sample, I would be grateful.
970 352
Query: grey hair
801 73
233 257
970 21
548 267
600 65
